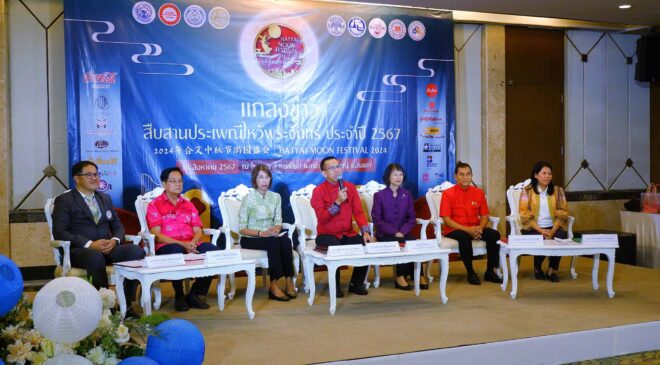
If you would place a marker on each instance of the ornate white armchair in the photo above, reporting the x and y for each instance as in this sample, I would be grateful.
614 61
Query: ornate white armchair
433 199
367 192
230 205
305 222
63 261
513 198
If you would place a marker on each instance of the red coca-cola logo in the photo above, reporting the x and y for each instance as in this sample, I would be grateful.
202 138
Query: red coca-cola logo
101 78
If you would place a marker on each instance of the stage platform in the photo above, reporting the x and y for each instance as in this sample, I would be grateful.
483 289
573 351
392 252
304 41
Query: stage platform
548 322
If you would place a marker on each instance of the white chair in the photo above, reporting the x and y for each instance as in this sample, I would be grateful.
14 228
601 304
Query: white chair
141 205
304 221
230 205
367 192
63 262
513 198
433 199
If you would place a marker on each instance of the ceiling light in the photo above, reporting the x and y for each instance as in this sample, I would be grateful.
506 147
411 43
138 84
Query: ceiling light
625 6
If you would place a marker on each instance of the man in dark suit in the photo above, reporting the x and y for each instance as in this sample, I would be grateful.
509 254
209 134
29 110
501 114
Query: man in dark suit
88 219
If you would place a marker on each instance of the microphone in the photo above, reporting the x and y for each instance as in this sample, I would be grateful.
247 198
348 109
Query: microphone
340 180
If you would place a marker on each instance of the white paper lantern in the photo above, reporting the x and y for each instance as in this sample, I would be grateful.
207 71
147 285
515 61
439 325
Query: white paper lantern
68 359
67 310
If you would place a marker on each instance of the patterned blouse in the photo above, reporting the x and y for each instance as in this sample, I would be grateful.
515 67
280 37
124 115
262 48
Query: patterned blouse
259 212
530 205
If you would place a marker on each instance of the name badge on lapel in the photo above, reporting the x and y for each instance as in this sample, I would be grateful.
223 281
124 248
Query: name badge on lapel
108 214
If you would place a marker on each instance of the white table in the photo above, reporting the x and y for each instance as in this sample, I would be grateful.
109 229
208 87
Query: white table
192 269
553 248
646 227
312 257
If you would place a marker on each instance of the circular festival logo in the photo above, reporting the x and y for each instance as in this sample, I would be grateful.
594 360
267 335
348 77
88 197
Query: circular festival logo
336 25
279 51
144 12
357 26
219 18
169 14
397 29
416 30
195 16
377 28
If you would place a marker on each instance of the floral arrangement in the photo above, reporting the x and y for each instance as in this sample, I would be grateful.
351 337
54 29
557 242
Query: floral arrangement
114 338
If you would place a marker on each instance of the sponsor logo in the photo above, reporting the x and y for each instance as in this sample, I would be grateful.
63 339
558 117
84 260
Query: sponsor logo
336 25
429 161
431 90
416 30
169 14
357 26
377 28
102 78
101 123
280 51
219 18
425 177
101 102
101 161
195 16
430 119
431 131
397 29
143 12
432 147
104 186
101 144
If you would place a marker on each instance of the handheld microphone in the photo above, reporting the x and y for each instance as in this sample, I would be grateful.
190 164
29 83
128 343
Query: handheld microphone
340 180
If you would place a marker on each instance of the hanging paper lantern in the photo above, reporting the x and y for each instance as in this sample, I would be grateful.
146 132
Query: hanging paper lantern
11 285
138 360
178 342
67 310
68 359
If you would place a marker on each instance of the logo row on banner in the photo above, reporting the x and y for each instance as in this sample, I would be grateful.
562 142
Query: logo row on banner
218 17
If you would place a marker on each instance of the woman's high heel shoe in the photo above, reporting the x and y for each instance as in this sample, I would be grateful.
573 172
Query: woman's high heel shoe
293 295
272 296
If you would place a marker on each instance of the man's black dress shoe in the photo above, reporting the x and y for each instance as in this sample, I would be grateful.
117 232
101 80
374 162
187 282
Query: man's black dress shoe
553 277
272 296
473 279
538 274
401 287
424 286
492 277
357 289
180 304
194 302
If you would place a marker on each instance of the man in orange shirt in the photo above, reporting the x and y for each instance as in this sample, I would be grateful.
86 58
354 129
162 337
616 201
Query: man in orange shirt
465 214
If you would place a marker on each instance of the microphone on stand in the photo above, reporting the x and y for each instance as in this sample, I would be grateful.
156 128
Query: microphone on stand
340 180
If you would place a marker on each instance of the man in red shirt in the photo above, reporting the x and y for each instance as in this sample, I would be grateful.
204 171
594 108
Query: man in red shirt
336 203
465 214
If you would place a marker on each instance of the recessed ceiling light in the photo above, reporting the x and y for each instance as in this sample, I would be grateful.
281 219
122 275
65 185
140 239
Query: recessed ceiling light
625 6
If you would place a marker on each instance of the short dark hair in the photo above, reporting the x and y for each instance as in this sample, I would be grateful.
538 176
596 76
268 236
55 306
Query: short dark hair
535 182
78 167
460 165
255 173
327 159
166 173
388 171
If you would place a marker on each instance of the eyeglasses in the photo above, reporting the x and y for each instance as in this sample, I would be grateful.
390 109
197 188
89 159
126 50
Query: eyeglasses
175 182
90 175
464 174
333 167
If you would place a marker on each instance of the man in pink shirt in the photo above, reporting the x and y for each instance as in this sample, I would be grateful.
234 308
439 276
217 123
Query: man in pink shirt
174 221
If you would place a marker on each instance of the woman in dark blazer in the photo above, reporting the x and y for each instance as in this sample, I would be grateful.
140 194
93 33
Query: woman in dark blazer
393 215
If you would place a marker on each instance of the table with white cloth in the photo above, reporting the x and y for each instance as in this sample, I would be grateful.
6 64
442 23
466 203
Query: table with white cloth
192 269
646 227
555 248
312 257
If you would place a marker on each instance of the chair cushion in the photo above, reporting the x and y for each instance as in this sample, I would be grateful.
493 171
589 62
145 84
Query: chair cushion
452 244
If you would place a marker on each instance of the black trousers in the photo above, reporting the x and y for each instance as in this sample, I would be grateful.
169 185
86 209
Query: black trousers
360 272
407 269
554 260
201 285
94 261
280 254
464 239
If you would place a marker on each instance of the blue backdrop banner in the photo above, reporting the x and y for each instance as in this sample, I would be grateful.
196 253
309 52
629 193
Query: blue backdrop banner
216 87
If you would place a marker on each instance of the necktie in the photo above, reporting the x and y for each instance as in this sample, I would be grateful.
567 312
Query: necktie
93 207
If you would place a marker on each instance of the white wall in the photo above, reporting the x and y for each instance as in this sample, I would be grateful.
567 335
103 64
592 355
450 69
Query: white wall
607 113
